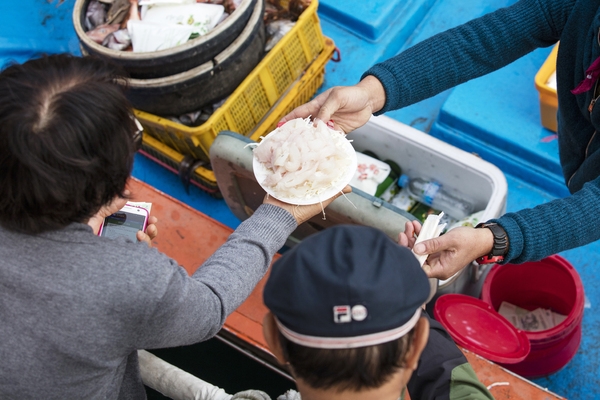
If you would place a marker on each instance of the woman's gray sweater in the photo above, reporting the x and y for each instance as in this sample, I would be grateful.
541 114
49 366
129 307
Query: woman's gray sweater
75 307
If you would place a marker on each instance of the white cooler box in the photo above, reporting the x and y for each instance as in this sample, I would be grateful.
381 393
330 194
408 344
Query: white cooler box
418 154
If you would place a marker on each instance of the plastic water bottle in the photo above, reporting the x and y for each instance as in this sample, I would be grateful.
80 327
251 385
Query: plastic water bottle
431 193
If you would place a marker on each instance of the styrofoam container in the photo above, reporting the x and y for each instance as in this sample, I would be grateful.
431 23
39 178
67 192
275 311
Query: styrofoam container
417 153
421 155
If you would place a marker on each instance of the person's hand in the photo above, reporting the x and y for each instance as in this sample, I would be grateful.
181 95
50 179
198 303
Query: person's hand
150 233
96 221
455 249
409 236
304 213
349 107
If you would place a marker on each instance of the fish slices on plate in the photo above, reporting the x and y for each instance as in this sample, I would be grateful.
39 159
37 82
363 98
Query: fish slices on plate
303 163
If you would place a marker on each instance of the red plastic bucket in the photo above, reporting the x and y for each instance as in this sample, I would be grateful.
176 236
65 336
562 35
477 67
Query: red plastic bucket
550 283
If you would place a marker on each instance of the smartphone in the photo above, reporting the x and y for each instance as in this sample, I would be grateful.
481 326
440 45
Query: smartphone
126 223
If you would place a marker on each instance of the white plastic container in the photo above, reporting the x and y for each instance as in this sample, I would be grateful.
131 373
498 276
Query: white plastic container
421 155
417 153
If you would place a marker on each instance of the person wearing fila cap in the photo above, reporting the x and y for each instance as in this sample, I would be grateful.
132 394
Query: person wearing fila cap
345 313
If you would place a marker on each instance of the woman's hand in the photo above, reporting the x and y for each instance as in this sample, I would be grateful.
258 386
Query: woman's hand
150 233
349 107
304 213
452 251
96 221
114 206
409 236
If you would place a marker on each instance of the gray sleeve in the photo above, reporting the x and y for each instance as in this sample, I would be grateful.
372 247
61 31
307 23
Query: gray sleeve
184 310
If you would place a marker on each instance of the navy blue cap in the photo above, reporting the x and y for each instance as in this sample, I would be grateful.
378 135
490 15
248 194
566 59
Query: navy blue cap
347 286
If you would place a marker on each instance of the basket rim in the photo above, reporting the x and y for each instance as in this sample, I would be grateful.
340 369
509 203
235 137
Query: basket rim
141 56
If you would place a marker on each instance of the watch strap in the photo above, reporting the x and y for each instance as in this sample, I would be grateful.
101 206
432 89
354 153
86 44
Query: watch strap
500 247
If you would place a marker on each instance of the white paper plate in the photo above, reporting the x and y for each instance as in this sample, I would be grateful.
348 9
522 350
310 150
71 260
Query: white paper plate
261 172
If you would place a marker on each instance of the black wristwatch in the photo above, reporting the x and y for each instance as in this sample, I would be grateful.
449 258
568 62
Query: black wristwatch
500 243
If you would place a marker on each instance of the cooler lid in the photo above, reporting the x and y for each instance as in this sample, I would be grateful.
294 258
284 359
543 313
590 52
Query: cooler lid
477 327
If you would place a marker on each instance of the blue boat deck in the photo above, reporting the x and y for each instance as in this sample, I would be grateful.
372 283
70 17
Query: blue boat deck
496 116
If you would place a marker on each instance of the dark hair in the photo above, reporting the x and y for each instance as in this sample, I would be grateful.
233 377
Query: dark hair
65 141
347 369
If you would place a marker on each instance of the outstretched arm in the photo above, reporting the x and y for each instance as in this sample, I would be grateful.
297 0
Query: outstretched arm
441 62
183 310
533 234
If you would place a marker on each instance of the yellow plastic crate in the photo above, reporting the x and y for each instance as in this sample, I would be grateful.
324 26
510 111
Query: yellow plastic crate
250 109
202 176
300 92
545 82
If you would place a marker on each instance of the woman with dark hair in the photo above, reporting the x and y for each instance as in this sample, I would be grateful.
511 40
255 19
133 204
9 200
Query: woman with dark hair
75 307
66 144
